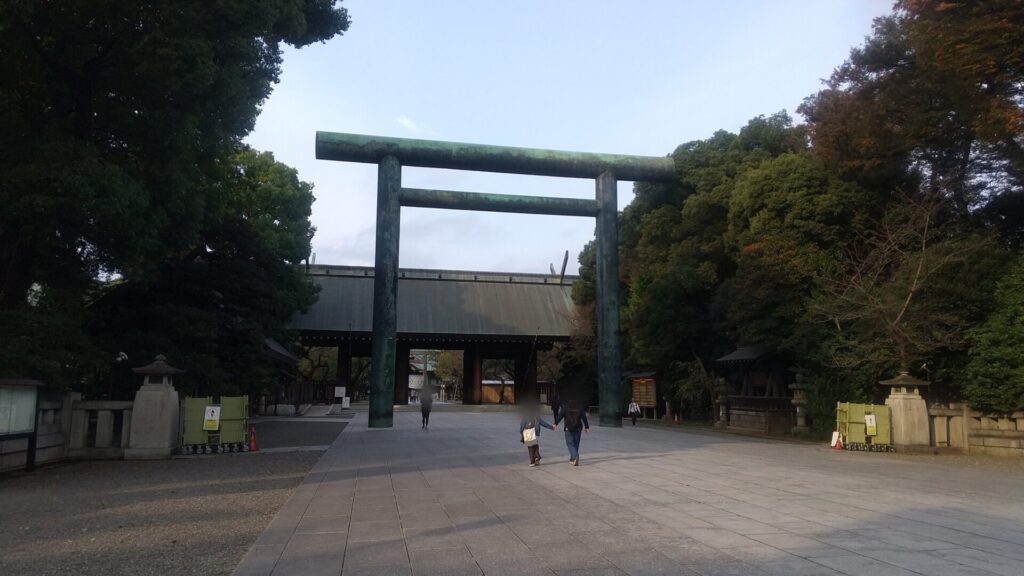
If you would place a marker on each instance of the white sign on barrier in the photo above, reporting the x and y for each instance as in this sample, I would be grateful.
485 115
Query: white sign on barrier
345 402
870 425
339 391
211 419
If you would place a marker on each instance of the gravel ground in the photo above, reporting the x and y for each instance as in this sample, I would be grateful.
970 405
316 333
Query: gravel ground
189 516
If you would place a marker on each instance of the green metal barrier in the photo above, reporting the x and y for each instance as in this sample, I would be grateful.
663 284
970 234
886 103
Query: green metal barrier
231 433
853 421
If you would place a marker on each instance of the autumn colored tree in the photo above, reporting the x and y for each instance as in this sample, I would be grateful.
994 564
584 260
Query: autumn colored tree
932 101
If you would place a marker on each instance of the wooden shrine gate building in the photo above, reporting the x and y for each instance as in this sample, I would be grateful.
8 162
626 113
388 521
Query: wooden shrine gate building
485 314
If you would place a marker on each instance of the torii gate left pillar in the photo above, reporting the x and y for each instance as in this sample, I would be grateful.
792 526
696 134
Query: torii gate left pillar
391 153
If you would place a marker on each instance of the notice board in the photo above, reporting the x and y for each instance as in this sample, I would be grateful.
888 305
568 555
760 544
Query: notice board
643 392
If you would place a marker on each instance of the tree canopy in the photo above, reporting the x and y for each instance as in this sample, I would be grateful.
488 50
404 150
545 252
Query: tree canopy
125 177
868 238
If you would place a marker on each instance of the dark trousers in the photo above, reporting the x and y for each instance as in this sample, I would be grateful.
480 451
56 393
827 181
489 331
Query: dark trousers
633 416
572 442
426 417
534 453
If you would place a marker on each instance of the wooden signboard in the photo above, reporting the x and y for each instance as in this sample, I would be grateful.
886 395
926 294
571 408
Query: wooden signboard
643 392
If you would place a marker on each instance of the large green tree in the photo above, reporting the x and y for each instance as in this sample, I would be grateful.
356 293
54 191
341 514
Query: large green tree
865 240
120 123
211 308
676 243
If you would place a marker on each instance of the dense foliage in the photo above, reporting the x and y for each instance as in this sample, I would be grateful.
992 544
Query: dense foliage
995 372
133 218
866 240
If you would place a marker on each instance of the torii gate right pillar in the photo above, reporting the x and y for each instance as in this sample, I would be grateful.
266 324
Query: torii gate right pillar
609 360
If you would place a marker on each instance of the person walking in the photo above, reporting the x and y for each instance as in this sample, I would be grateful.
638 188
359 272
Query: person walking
554 404
426 403
633 410
529 433
576 424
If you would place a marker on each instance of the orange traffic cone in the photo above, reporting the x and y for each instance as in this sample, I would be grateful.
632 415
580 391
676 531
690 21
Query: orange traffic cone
252 439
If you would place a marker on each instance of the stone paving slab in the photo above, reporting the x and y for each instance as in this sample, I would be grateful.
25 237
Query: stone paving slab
459 499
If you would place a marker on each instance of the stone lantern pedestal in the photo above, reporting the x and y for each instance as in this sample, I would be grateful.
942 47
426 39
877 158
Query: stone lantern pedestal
908 411
722 404
799 402
154 429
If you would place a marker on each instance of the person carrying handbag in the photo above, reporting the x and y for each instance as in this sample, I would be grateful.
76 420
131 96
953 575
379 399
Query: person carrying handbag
633 410
529 434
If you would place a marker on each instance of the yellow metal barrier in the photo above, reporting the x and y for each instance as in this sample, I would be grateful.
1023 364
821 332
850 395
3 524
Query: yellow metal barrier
864 426
226 429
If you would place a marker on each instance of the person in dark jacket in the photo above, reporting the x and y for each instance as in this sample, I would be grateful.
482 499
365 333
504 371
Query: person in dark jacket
426 403
576 423
554 404
529 432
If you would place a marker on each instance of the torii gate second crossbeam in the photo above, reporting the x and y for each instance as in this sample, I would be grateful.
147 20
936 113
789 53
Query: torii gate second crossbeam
390 154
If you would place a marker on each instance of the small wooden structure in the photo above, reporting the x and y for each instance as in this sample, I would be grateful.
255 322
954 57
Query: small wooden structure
762 404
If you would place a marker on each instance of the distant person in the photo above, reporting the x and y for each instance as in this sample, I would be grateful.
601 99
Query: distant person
529 432
426 403
576 424
633 410
553 402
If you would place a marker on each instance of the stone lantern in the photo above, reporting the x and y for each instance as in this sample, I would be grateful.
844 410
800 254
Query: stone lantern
154 424
908 410
799 402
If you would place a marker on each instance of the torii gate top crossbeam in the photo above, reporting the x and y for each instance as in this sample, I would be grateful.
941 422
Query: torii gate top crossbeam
487 158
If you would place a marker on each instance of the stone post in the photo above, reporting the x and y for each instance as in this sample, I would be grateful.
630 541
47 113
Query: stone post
155 420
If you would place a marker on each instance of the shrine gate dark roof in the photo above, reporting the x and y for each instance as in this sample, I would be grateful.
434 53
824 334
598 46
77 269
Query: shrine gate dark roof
444 303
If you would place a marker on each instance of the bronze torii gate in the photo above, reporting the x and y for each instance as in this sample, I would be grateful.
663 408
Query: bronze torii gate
390 154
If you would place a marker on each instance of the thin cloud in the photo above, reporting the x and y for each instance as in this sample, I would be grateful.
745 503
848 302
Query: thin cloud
408 123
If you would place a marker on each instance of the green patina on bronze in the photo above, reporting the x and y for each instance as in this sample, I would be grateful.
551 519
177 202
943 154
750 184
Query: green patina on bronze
385 291
390 154
421 198
609 354
486 158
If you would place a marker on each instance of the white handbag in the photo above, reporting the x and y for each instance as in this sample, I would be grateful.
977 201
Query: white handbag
529 436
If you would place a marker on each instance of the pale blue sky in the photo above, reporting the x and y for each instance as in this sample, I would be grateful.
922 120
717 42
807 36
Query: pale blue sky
618 77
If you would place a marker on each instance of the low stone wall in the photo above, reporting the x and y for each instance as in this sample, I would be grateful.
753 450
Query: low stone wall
957 426
71 428
99 429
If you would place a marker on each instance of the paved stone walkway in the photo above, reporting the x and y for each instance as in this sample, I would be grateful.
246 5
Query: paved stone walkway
461 500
